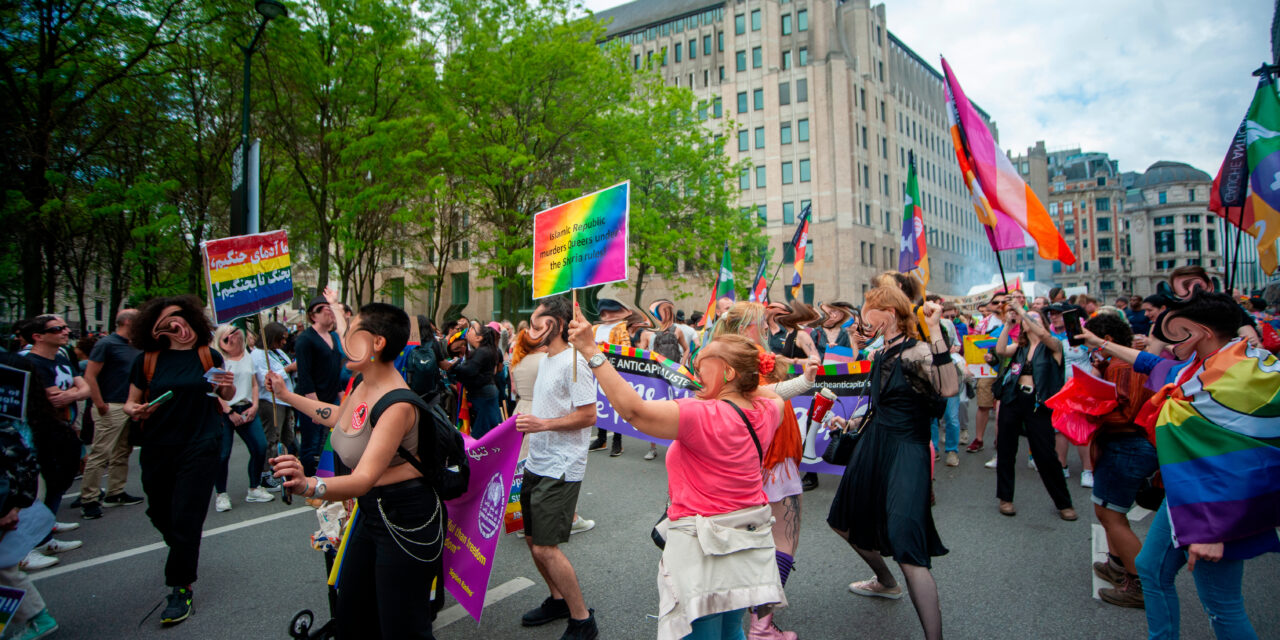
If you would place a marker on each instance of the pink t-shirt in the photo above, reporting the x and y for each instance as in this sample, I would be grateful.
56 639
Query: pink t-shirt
713 467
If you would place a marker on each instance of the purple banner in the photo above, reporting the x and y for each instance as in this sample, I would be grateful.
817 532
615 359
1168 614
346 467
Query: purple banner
655 382
476 518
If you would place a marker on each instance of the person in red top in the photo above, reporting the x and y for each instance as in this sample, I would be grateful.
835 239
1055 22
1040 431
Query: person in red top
717 498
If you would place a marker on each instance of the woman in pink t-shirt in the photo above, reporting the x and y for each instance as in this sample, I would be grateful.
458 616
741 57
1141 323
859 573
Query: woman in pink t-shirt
714 477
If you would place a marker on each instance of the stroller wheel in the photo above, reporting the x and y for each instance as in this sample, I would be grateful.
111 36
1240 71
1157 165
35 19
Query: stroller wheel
301 624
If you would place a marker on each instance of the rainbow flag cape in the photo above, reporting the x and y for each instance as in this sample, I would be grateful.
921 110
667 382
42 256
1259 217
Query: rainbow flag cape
999 194
325 468
913 254
644 354
1218 439
341 553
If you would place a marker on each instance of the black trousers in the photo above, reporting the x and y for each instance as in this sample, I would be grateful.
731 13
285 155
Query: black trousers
384 589
1023 417
178 480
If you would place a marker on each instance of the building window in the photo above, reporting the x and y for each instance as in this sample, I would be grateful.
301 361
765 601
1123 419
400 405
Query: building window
809 256
804 170
1193 219
784 93
1164 241
744 180
637 62
803 56
1068 227
1165 264
760 177
1193 240
1191 193
802 130
762 215
863 137
788 255
461 293
788 208
717 107
1212 240
786 59
97 307
740 59
757 57
785 133
721 73
755 20
693 49
678 51
787 175
1162 220
744 140
742 102
720 42
802 20
757 99
1053 208
739 24
759 137
786 25
395 288
706 45
1104 224
1104 245
1102 181
1163 197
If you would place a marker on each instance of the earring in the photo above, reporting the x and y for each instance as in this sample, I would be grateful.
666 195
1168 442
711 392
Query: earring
726 376
373 359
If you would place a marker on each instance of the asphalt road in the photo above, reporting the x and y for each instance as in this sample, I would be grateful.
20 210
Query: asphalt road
1022 577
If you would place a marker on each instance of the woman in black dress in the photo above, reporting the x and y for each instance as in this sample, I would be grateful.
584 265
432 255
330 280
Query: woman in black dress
882 504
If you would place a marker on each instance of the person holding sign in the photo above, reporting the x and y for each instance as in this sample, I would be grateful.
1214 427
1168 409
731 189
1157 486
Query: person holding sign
394 548
715 482
882 504
175 391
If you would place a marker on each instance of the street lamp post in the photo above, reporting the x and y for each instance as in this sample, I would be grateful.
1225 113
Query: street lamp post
242 221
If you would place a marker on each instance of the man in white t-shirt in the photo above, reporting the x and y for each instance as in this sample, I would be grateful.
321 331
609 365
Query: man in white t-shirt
559 428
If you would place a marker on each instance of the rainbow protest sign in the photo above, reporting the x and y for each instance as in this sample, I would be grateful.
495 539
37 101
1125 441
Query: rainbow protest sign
247 274
581 243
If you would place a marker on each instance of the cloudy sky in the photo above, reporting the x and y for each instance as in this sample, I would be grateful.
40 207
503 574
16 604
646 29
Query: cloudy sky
1142 80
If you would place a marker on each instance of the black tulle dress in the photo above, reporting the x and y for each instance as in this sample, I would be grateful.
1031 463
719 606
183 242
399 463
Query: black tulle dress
883 497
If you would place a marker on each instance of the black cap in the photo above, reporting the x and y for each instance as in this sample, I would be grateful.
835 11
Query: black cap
315 302
680 316
608 304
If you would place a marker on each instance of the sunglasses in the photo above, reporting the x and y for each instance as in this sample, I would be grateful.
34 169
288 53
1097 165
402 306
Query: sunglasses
57 329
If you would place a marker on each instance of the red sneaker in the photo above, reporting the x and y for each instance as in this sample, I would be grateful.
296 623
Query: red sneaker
975 446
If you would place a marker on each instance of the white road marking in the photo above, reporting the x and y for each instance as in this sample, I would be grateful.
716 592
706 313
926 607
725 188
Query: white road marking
129 553
493 596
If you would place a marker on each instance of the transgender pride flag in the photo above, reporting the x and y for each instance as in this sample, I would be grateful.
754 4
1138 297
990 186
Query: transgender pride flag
1218 439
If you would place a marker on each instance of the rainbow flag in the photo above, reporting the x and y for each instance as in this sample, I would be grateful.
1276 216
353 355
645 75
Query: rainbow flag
1218 439
840 369
836 354
581 243
799 243
760 288
913 254
723 288
994 184
1247 176
326 468
247 274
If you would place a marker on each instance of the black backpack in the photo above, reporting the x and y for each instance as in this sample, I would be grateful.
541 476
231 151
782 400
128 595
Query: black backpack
422 370
667 344
446 468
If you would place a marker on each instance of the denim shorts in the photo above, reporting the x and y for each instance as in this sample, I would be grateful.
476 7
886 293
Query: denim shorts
1123 463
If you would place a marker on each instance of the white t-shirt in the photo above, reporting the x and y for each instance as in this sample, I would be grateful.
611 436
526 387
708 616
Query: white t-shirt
690 336
553 454
242 369
279 360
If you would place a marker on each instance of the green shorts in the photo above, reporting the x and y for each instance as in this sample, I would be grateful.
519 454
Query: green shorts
548 506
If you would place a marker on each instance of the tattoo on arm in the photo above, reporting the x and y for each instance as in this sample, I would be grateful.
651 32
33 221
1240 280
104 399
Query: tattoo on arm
324 412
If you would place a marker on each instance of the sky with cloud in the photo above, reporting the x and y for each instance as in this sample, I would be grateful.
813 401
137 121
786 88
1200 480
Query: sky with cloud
1141 80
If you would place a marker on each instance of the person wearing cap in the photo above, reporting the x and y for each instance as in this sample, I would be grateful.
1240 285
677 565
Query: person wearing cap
318 353
612 328
690 335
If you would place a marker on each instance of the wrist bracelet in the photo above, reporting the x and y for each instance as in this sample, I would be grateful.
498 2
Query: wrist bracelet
307 490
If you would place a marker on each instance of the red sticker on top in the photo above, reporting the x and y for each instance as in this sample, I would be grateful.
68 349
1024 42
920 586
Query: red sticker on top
359 416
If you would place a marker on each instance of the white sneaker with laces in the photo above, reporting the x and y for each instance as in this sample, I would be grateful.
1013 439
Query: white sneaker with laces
36 561
258 494
222 503
991 464
63 527
650 454
58 546
1086 479
1066 472
581 524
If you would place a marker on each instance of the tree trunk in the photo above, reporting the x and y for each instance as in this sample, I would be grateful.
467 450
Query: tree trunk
640 284
322 271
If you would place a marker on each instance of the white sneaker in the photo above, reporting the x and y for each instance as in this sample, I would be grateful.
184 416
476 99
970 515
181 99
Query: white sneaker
964 437
1086 479
258 495
36 560
63 527
991 464
223 503
58 546
1066 472
581 524
650 454
1031 464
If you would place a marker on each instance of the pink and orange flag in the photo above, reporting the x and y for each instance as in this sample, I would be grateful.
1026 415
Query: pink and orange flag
1000 196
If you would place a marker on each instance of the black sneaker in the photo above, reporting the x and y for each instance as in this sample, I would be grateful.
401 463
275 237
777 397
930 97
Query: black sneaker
582 629
550 610
809 481
122 499
617 449
91 511
599 444
179 608
78 503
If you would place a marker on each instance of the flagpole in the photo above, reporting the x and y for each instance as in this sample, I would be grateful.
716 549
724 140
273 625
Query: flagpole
1235 260
968 154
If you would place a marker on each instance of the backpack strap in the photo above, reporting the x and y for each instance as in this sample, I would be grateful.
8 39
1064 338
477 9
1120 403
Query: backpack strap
149 368
747 423
407 396
206 357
